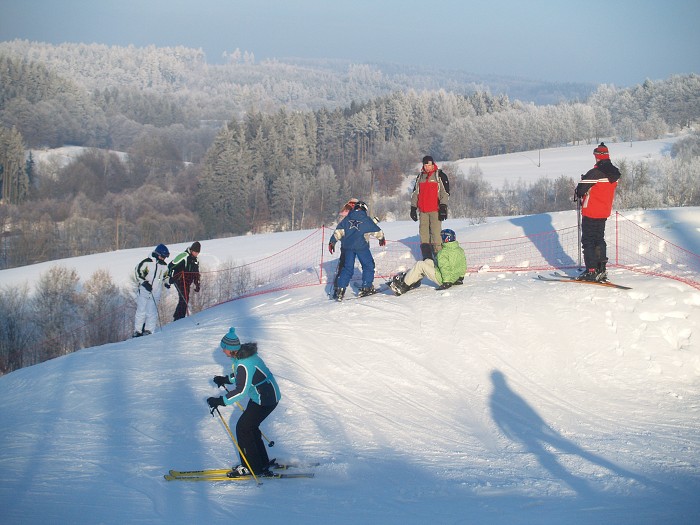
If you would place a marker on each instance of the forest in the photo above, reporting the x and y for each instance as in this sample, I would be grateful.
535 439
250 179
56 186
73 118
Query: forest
176 149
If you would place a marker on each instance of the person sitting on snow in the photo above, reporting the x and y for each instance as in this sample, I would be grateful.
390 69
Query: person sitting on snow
450 269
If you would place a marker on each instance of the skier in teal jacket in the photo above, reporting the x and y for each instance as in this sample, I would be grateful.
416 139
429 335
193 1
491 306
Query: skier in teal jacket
250 378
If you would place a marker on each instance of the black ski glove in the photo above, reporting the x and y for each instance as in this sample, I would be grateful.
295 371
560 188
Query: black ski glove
147 286
382 241
222 380
414 213
442 212
214 402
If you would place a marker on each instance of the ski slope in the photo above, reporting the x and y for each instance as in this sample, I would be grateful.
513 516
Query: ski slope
505 400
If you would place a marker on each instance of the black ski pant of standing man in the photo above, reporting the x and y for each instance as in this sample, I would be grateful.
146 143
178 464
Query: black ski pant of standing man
593 242
183 293
250 438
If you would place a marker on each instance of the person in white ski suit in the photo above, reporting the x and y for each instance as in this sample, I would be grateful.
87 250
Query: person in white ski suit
150 275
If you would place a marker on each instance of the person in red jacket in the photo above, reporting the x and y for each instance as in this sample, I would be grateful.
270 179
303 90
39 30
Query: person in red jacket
430 196
596 192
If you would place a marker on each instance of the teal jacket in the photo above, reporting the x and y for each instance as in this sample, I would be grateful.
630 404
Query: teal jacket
252 378
451 263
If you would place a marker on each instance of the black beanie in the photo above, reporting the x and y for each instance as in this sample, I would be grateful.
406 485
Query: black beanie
427 158
196 247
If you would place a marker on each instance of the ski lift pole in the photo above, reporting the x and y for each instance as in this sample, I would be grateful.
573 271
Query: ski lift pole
228 429
578 226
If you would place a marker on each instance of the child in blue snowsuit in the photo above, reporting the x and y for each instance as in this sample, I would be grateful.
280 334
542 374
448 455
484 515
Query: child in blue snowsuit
353 232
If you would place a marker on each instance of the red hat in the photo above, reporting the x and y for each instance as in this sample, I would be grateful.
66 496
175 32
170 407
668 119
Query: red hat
601 152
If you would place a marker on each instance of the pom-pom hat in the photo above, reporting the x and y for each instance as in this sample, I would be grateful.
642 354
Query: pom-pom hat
230 341
601 152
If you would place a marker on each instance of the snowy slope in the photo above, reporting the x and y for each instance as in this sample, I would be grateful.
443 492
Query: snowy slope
506 400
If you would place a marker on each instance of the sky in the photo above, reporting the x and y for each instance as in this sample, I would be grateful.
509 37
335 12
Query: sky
505 401
620 42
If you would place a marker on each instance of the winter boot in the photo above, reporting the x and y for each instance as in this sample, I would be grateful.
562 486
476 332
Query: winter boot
339 294
137 334
459 281
238 472
146 332
366 290
588 275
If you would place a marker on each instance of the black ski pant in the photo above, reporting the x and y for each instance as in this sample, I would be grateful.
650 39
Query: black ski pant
593 242
250 438
183 293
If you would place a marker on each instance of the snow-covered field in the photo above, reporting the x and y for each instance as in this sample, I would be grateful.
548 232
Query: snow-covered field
506 400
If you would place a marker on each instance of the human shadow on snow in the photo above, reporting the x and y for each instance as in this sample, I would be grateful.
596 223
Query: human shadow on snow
523 425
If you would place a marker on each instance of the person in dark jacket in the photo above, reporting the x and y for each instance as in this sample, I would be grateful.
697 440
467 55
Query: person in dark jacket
252 379
429 205
596 193
353 232
183 271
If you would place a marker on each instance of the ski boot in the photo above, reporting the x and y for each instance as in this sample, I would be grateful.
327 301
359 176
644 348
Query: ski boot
366 290
339 294
588 275
146 332
137 334
602 274
238 472
399 286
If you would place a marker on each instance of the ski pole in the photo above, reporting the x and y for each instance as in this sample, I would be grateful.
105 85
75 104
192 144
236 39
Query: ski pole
228 429
269 443
187 305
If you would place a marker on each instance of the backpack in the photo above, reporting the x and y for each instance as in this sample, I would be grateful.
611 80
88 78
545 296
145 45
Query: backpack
445 180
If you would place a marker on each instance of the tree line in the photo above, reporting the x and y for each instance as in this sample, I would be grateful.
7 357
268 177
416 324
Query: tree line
173 178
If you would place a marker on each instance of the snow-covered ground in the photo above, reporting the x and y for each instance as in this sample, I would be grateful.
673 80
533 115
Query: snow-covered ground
506 400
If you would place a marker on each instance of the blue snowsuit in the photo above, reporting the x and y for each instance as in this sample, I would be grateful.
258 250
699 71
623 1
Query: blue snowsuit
353 232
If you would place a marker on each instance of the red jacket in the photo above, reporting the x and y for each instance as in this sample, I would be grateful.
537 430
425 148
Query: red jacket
597 190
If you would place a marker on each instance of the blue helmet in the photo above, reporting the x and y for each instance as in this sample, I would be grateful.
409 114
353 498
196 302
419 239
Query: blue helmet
360 205
448 235
161 251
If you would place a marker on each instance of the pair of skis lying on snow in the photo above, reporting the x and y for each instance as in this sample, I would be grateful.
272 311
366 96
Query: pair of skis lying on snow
279 471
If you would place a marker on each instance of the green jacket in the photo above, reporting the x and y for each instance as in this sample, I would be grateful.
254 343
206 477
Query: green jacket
451 263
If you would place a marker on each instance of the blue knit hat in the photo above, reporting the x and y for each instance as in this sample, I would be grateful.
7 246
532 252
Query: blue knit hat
231 341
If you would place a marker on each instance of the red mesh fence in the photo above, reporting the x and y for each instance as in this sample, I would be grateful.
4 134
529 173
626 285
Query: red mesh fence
308 263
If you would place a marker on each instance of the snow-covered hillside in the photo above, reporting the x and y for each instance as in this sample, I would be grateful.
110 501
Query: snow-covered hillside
506 400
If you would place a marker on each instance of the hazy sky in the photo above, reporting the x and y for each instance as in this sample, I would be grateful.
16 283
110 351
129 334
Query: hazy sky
619 42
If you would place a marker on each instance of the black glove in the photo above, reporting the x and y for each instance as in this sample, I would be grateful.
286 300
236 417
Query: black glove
414 213
167 285
442 212
214 402
196 288
382 241
331 247
147 286
222 380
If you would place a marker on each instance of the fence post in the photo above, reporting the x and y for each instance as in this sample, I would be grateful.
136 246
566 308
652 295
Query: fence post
323 244
617 238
